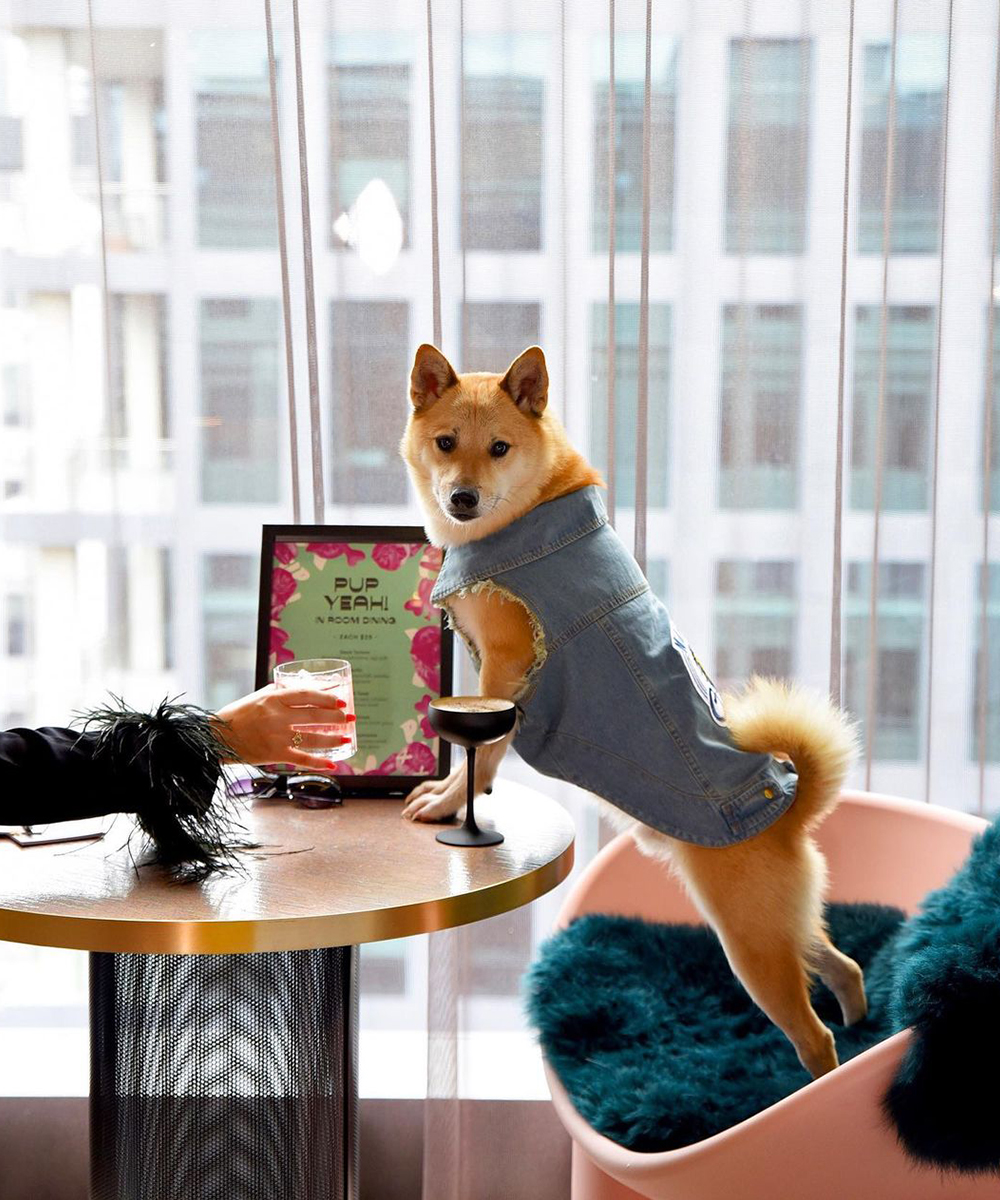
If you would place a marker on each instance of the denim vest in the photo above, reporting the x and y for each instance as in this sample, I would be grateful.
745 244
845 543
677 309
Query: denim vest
616 701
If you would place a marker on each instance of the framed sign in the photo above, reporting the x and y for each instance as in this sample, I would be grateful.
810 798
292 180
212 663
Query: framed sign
362 593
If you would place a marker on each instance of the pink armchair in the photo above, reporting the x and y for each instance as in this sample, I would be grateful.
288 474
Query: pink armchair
829 1140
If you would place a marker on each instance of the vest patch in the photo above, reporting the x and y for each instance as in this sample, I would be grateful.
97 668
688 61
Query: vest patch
705 688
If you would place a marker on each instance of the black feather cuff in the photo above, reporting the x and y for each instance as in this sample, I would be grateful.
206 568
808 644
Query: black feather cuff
172 758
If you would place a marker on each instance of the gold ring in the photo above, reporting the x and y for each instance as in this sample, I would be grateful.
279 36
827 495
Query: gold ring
297 739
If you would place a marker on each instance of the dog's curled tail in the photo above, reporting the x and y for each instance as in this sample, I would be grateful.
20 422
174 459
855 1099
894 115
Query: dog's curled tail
771 716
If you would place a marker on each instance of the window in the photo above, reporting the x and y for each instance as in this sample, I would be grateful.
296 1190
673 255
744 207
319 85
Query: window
899 656
755 618
921 72
504 93
240 378
236 201
14 410
909 367
369 97
229 615
759 412
500 952
368 341
383 969
133 121
16 622
994 426
627 399
658 574
630 86
138 366
993 664
494 334
768 148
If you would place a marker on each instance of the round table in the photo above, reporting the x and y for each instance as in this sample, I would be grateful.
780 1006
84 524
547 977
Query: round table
223 1014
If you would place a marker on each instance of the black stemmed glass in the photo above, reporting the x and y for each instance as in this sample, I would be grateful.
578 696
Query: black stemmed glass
471 721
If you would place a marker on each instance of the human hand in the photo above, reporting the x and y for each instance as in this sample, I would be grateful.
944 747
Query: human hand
259 728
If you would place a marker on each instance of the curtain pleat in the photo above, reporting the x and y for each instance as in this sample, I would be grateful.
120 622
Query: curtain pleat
286 300
442 1159
887 205
442 1168
837 581
989 390
563 219
432 166
612 233
309 286
114 645
642 392
936 421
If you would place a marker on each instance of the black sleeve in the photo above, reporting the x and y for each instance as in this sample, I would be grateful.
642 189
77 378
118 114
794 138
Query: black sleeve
53 775
163 766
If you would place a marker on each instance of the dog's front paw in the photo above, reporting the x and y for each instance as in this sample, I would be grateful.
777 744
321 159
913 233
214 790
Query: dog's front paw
436 799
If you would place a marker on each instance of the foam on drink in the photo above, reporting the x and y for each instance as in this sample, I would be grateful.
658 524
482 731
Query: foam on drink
472 704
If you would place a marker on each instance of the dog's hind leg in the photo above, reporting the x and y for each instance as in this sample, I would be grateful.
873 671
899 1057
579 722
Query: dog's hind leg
843 977
763 899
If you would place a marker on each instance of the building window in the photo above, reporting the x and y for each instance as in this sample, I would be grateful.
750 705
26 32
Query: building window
658 574
236 201
994 424
993 664
759 411
755 615
368 338
500 951
921 74
16 623
909 365
369 96
630 84
137 365
229 620
133 123
494 334
240 378
627 399
14 409
899 656
768 146
502 142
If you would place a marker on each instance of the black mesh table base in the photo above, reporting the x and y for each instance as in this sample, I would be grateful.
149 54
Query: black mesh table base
224 1076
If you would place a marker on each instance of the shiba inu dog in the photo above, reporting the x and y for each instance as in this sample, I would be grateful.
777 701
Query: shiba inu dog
726 790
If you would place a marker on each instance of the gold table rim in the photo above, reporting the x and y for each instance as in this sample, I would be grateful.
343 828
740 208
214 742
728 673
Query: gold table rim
123 935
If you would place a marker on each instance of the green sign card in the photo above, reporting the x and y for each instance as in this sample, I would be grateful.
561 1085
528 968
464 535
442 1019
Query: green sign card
368 602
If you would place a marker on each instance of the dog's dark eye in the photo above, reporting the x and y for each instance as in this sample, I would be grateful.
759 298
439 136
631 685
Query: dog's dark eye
499 449
445 443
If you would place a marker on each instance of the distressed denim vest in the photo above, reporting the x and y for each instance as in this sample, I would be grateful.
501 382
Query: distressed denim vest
616 701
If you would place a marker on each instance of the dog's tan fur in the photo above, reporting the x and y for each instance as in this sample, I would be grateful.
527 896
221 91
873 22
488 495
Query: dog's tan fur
762 896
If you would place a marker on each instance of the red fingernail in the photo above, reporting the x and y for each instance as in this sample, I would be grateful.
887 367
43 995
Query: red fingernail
341 703
350 717
331 763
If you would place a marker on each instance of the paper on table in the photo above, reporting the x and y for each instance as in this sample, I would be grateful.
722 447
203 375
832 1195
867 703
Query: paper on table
59 831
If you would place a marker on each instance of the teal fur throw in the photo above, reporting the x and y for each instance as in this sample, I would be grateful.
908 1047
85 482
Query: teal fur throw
654 1038
659 1046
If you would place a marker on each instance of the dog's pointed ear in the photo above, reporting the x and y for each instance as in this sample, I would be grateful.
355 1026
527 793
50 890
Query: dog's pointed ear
431 376
527 382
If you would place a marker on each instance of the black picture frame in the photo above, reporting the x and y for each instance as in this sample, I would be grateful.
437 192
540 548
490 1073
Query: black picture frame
350 785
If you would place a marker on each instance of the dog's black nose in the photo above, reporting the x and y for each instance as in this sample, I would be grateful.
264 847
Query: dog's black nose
464 498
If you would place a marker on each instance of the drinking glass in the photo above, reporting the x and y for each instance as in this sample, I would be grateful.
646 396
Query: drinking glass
325 675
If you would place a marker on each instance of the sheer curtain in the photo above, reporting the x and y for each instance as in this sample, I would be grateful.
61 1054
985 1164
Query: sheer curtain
757 241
